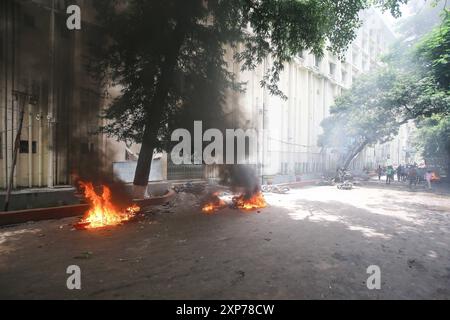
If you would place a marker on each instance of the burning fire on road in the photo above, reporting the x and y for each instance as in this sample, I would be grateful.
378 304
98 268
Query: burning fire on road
244 184
102 211
243 202
253 202
214 204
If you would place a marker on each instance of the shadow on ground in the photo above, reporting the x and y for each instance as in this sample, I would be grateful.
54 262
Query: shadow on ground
314 243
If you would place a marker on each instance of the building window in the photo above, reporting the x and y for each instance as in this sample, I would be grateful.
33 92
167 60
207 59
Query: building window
317 61
332 69
24 146
344 76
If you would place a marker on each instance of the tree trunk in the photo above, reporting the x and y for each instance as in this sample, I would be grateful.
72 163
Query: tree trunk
354 153
155 112
143 166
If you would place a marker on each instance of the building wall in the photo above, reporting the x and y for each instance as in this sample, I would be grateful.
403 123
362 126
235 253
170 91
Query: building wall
61 136
59 124
289 129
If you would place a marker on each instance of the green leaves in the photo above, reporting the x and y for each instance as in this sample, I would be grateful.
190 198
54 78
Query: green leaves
362 113
433 54
412 85
279 30
432 138
390 5
142 38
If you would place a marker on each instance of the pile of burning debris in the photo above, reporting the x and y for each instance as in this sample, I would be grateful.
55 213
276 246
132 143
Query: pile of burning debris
246 193
102 211
244 201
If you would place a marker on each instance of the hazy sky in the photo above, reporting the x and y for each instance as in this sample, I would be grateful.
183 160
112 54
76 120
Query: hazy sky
391 21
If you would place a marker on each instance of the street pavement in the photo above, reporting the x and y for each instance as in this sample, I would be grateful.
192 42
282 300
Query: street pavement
312 243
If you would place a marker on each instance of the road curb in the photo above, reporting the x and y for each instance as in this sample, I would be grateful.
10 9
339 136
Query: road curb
23 216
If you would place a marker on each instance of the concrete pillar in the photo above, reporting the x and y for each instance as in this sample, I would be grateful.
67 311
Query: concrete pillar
51 97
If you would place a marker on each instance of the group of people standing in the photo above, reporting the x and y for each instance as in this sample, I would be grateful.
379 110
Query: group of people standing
410 173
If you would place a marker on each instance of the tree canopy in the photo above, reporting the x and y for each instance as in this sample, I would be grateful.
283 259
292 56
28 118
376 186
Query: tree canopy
168 57
411 85
433 54
432 139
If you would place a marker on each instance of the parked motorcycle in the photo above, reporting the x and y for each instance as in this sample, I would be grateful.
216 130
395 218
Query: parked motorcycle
344 180
275 189
346 185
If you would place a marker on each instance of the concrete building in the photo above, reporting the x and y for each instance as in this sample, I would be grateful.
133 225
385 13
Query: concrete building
43 71
43 76
289 129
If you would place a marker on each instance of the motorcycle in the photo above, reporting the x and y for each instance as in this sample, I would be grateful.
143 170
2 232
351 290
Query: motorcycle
344 180
346 185
275 189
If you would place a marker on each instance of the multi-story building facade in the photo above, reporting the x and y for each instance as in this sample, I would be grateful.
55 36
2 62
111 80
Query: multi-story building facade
43 70
289 129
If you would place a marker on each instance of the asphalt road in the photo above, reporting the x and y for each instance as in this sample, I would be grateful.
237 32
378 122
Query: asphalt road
313 243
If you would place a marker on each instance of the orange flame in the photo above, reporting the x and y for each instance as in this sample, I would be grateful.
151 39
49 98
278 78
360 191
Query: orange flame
243 202
102 212
256 201
214 205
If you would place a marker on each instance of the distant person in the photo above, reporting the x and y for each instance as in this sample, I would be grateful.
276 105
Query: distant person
399 172
404 173
389 174
412 176
428 178
379 172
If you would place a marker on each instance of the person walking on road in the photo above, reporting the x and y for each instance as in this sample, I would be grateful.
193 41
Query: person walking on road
399 172
379 172
428 177
412 176
389 174
404 173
